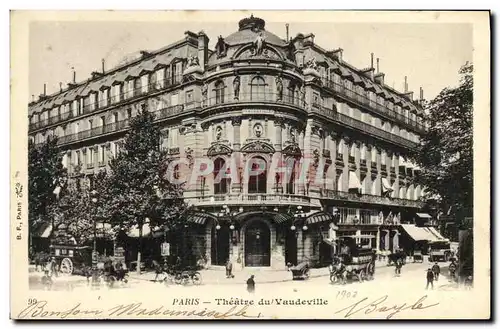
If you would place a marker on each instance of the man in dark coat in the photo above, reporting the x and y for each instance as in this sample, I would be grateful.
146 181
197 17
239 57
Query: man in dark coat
229 269
430 279
251 284
436 270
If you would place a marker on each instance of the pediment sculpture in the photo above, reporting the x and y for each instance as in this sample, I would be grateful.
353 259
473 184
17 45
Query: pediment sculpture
193 61
219 149
257 147
258 45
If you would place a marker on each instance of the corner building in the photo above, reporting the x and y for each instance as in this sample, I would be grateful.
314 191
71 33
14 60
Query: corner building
256 96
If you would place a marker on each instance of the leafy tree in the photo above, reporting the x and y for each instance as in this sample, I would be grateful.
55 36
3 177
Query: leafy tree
445 153
76 211
45 174
138 189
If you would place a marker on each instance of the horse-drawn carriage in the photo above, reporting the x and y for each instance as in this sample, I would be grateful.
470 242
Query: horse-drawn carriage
418 256
393 258
353 260
71 259
439 251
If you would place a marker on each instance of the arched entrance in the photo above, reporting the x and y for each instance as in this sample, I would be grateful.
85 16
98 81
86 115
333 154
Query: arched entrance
257 244
220 244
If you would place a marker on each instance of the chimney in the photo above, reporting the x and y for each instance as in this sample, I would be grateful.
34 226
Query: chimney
378 62
60 86
44 89
203 41
287 34
102 61
371 63
406 84
74 75
379 77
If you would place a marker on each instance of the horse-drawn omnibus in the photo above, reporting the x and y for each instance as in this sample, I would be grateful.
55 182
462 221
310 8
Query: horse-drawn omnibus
353 260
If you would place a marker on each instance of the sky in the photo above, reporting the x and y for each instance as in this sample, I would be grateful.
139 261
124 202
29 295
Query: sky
429 54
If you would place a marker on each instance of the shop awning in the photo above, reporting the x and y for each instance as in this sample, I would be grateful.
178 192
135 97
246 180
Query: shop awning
423 215
436 233
281 218
386 186
354 181
198 218
318 218
419 233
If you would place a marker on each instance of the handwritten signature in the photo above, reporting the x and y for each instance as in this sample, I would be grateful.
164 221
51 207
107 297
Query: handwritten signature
40 309
379 305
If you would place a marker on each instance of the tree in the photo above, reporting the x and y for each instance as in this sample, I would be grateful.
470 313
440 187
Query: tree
445 153
45 174
76 211
138 191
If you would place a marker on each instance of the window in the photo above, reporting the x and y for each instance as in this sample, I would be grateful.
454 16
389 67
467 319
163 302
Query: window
257 181
137 86
115 117
129 113
384 155
103 121
221 182
160 79
175 99
101 154
363 152
258 88
291 93
144 83
90 158
77 128
219 92
189 96
77 158
316 101
90 124
290 177
340 149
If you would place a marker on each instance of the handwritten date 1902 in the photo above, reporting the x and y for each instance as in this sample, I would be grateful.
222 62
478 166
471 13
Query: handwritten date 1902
344 294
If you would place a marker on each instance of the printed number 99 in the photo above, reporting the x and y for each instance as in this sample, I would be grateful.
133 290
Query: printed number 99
32 301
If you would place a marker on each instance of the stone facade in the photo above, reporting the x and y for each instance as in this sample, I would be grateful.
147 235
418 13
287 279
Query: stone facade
256 96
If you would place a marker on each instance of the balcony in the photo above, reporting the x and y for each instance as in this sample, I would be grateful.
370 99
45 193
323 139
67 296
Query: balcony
368 198
251 199
362 162
352 159
174 151
326 153
111 101
356 221
122 125
374 131
339 158
373 165
255 97
366 102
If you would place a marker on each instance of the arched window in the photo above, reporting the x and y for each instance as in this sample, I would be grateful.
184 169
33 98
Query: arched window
258 89
257 180
221 182
291 168
291 93
219 92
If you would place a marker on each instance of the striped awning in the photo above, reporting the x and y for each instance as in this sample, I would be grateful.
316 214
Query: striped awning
281 218
198 218
319 217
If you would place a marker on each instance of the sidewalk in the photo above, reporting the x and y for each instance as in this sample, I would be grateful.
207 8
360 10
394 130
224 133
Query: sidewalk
218 276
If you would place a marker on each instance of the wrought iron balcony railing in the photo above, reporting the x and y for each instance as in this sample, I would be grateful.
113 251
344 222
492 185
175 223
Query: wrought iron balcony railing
221 98
366 102
114 100
369 198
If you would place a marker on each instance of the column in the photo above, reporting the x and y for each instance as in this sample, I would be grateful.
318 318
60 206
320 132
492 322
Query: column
377 240
358 233
386 240
236 166
277 156
300 246
301 179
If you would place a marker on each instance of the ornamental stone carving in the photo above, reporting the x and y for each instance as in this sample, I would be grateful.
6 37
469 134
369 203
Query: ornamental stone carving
236 87
219 149
257 147
221 47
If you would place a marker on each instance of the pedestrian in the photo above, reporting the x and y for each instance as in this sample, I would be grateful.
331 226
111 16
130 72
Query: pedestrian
399 265
436 270
47 280
53 267
251 284
430 279
158 269
229 269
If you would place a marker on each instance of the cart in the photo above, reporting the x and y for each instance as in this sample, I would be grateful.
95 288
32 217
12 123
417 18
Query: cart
72 259
418 257
440 251
358 259
300 271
